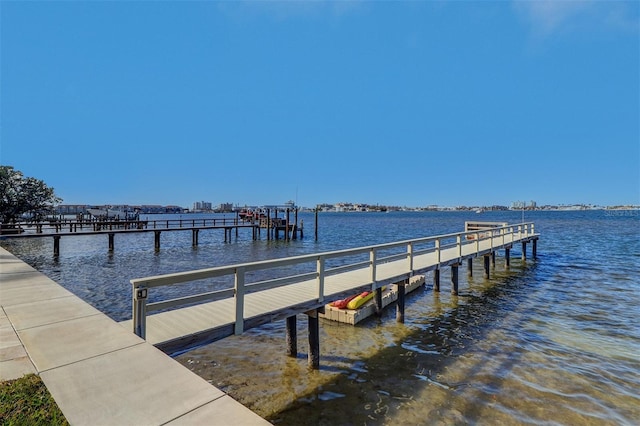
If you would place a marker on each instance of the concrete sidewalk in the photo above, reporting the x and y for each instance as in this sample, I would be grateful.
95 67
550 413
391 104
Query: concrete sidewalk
98 372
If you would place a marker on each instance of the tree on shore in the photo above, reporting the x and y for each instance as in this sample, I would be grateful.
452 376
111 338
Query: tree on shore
20 195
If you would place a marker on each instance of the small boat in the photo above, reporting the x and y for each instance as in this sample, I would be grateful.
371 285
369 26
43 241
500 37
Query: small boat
249 215
109 214
480 211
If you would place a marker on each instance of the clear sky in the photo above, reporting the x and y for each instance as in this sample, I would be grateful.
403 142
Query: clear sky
399 103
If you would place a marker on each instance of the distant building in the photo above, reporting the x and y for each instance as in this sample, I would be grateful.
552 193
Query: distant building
224 208
201 206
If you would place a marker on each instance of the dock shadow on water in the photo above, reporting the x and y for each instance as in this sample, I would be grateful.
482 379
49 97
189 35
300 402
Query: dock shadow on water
473 358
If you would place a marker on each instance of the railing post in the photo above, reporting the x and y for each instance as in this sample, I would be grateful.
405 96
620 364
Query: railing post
477 234
459 243
320 272
239 287
140 294
410 256
438 250
372 265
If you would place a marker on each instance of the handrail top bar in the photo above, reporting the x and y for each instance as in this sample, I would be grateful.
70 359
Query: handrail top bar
191 275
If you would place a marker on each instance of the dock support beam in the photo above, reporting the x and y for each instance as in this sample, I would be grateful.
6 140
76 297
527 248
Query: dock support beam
194 237
292 336
524 250
436 280
454 279
56 245
400 302
378 301
156 240
314 340
493 259
486 266
507 257
470 266
111 244
534 248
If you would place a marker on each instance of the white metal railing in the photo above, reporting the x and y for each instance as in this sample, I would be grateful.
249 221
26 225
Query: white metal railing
317 269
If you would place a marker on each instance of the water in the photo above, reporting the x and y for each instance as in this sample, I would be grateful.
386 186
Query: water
550 341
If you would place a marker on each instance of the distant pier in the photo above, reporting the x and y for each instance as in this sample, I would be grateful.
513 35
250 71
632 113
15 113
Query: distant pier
56 229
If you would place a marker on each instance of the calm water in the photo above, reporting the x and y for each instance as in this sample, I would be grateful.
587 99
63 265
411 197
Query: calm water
551 341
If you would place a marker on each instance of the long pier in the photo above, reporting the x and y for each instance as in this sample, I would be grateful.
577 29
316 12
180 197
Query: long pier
75 228
256 293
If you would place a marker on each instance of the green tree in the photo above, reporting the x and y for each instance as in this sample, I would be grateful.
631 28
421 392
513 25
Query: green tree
20 194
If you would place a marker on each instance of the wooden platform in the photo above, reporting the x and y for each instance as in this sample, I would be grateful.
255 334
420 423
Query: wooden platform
354 316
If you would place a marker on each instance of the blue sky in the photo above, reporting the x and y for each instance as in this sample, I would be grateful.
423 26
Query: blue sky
397 103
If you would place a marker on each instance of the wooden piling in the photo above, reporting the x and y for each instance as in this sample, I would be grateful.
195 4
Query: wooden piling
314 340
470 266
157 240
194 237
486 266
493 259
454 279
524 250
400 301
111 243
287 235
316 224
292 336
56 245
436 280
269 224
378 301
534 248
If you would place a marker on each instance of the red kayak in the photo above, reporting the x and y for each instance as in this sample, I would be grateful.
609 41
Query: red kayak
342 303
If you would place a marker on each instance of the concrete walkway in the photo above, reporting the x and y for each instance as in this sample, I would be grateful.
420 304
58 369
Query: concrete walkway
98 372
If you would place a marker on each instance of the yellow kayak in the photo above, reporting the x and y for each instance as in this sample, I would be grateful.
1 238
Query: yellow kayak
361 299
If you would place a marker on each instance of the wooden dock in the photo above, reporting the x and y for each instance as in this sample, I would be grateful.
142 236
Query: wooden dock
74 228
272 290
113 228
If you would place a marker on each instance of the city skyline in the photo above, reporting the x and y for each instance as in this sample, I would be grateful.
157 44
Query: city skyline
391 103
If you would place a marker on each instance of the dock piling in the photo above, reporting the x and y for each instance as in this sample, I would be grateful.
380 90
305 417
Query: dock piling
470 267
292 336
486 266
378 301
400 302
56 245
436 280
314 340
454 279
156 240
111 243
507 257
